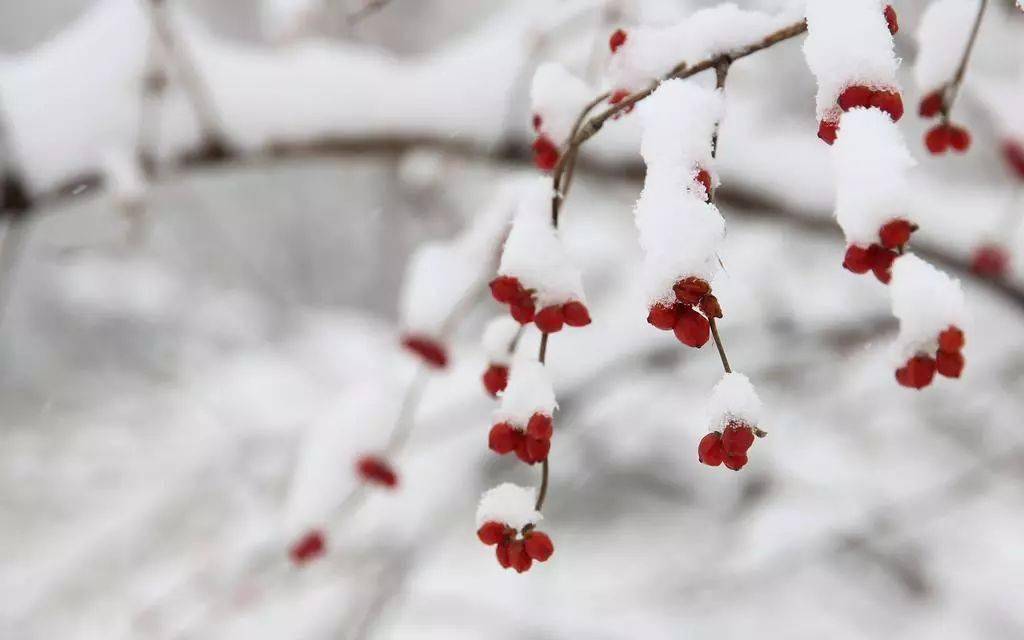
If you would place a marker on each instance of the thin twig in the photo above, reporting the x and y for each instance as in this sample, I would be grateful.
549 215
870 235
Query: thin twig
954 86
368 9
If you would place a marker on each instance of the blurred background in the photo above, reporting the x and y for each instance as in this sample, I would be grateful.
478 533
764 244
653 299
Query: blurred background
210 207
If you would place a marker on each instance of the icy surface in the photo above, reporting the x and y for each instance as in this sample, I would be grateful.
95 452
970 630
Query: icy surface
510 504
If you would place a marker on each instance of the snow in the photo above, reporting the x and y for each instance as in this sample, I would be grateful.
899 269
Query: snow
871 163
733 400
498 337
848 43
679 232
534 252
558 97
926 301
942 35
510 504
529 391
125 180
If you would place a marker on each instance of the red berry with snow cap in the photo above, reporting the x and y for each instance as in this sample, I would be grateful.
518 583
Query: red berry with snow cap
881 262
504 438
308 548
710 450
575 314
710 306
549 319
376 470
692 329
828 130
891 20
704 178
951 340
538 545
540 426
917 373
857 259
506 289
617 39
896 233
691 290
662 316
495 379
890 102
737 438
491 533
855 96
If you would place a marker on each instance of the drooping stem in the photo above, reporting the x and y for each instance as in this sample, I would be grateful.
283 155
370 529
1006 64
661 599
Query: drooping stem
718 343
954 85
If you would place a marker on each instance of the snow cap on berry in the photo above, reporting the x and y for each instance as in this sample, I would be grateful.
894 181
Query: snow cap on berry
509 504
871 163
558 97
926 301
848 43
733 400
534 253
498 337
942 35
529 391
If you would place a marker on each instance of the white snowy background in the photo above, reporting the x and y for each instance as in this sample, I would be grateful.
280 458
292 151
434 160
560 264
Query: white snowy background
185 392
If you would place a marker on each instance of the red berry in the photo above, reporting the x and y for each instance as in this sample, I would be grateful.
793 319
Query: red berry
309 547
881 262
917 373
376 470
504 438
502 553
949 364
692 329
951 340
704 178
931 104
538 546
518 558
617 40
506 289
710 451
1013 153
855 96
959 138
691 290
522 311
990 261
890 102
550 319
540 427
735 461
827 131
492 532
495 379
937 139
737 438
537 449
545 153
709 305
537 122
618 96
857 259
895 233
575 314
662 316
523 450
431 351
891 20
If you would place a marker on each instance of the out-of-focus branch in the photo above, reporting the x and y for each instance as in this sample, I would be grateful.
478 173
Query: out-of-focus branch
369 8
954 84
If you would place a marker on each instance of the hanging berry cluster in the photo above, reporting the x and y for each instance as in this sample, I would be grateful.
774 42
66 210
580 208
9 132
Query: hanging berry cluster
945 135
919 370
734 410
878 257
682 317
507 519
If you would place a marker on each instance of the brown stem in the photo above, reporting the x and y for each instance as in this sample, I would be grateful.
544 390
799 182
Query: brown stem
718 343
954 85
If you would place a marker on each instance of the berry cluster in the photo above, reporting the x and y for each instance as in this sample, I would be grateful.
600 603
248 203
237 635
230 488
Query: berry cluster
495 378
728 446
680 317
878 257
517 553
919 370
309 547
431 351
860 96
375 470
531 444
545 152
990 261
943 136
550 319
